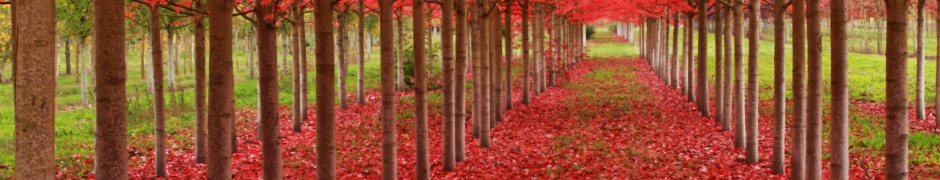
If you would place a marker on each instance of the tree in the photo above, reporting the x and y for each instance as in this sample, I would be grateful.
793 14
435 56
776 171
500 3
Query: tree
839 125
221 115
297 22
689 76
739 134
719 93
798 138
485 55
813 91
753 96
777 164
265 26
447 52
507 39
460 77
525 51
389 161
896 125
919 51
702 88
326 85
360 81
200 62
421 106
728 83
674 71
34 88
158 99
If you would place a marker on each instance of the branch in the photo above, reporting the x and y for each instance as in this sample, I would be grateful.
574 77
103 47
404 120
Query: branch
434 1
5 2
244 15
167 7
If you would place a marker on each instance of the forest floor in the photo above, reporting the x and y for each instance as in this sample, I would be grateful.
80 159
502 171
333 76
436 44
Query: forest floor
610 117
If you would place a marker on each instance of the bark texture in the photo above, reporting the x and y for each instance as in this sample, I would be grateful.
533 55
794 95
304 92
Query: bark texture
839 102
34 81
326 85
896 125
221 116
389 161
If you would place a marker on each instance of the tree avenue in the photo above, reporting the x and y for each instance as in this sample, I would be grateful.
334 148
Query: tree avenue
468 89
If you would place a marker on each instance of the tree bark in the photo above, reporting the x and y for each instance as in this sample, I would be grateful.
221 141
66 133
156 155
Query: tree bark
719 94
83 70
421 107
839 125
158 100
798 128
360 81
297 120
496 59
343 34
674 70
221 116
919 50
389 161
268 91
689 76
34 90
401 44
200 60
702 88
460 77
447 52
325 88
780 114
896 125
813 91
507 36
728 82
68 58
477 70
525 52
739 134
753 96
484 71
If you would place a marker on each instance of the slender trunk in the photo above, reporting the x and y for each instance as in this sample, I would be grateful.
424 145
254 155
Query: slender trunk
719 91
476 68
447 53
360 81
421 107
343 34
221 116
83 70
268 91
896 125
389 162
689 75
728 63
297 119
497 59
304 87
674 70
686 56
813 91
326 89
143 59
798 128
485 70
839 125
919 50
753 96
702 88
158 100
199 55
777 162
401 45
507 38
739 135
552 39
525 52
68 58
461 81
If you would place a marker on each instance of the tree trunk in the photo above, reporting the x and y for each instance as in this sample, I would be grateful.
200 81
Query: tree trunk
552 37
814 91
702 88
728 64
477 70
485 71
919 50
34 90
360 90
171 58
389 161
268 91
937 84
674 70
221 116
158 100
798 128
689 75
507 38
343 34
68 58
525 52
497 60
839 125
719 94
460 77
780 114
739 134
83 70
421 106
753 96
200 60
325 88
297 16
447 52
896 125
401 45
